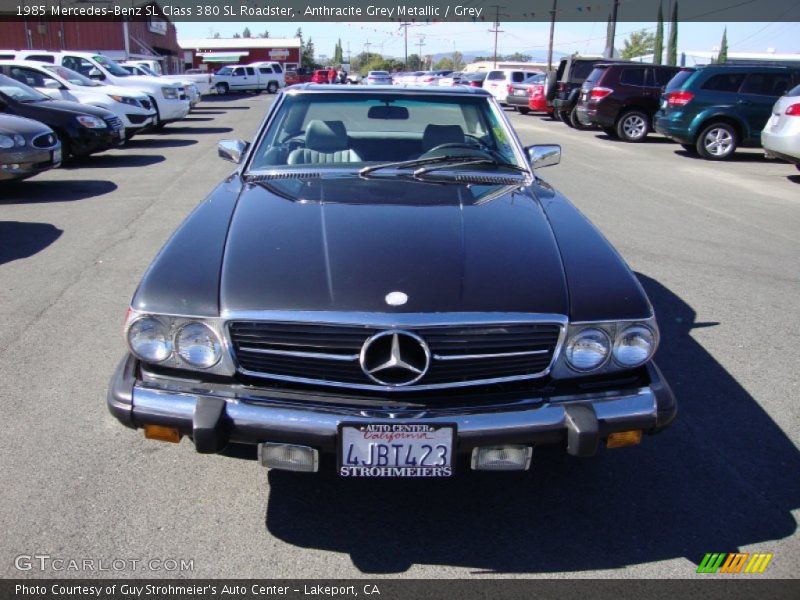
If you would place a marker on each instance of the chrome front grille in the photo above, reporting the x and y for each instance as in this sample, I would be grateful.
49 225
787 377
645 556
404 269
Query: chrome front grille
329 354
114 122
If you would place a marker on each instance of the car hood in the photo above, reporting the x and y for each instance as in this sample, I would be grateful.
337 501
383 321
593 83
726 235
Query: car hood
10 125
345 243
36 110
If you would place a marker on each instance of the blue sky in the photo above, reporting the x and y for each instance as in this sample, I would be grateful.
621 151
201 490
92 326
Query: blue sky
387 38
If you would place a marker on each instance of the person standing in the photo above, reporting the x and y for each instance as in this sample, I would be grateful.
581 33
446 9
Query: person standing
331 75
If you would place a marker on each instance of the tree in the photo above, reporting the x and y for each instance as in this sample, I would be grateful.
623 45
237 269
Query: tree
264 35
414 62
658 47
518 57
246 32
638 43
723 47
307 54
338 55
236 36
672 45
216 35
444 64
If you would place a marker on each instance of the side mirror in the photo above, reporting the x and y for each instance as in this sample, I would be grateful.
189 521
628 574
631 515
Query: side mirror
52 84
544 155
96 74
232 150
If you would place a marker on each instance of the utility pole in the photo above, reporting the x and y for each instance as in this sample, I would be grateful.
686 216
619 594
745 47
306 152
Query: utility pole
421 43
496 29
366 48
612 31
405 26
552 31
348 53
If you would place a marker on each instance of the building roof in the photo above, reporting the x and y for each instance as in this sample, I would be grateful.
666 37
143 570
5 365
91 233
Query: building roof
237 43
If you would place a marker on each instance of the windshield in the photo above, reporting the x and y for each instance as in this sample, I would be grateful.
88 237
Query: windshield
358 129
72 76
225 71
111 66
11 88
148 70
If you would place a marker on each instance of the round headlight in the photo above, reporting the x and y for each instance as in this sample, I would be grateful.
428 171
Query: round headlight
6 141
634 346
198 346
587 349
148 338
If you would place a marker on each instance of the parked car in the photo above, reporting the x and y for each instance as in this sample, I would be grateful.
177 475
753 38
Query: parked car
299 75
519 93
81 129
378 78
564 85
621 98
475 79
715 109
133 108
451 79
272 69
320 76
246 78
781 136
336 296
431 77
537 97
409 78
27 147
499 82
169 99
191 83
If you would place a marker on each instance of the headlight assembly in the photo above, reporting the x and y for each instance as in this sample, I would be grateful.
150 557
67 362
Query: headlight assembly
149 340
91 122
634 346
9 141
197 345
588 349
124 100
170 93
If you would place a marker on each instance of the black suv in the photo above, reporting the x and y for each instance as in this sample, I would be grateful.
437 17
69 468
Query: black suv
564 86
712 110
622 98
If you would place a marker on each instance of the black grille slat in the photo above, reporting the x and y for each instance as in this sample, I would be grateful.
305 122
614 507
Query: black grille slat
248 337
46 140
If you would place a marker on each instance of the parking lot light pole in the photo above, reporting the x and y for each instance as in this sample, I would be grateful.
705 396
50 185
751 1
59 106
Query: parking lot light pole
552 31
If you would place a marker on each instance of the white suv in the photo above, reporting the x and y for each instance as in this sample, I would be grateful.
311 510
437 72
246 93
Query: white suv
497 82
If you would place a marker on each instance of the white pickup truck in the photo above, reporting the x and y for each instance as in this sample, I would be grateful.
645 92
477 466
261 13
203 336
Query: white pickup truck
256 77
201 80
168 97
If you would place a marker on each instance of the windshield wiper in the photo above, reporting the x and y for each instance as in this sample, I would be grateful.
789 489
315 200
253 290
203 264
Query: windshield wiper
405 164
466 163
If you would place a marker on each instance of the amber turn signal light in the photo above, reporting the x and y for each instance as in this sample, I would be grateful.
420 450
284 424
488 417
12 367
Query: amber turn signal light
624 438
162 434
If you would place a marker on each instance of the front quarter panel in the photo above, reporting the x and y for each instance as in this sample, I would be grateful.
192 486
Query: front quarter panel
184 277
601 285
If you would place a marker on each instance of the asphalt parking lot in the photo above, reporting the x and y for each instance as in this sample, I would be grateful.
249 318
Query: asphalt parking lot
715 245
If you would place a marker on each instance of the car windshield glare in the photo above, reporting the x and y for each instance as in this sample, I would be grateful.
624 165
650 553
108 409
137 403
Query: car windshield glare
20 92
72 77
354 130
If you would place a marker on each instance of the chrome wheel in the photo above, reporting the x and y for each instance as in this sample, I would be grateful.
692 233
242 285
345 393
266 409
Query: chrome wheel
634 127
718 142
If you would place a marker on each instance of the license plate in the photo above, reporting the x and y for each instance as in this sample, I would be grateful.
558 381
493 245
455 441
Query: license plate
519 92
56 156
396 450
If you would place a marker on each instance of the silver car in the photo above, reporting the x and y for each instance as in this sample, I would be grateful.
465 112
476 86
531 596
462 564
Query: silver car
781 136
27 147
378 78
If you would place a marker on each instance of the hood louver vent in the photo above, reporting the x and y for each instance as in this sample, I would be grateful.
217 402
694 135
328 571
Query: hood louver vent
274 176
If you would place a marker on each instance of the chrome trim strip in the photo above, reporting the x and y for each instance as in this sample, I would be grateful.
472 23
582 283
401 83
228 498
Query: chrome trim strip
482 356
389 320
299 354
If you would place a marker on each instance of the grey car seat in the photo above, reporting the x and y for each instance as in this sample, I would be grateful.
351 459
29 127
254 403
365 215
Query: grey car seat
326 143
436 135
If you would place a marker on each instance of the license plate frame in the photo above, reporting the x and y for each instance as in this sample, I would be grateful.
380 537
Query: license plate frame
442 432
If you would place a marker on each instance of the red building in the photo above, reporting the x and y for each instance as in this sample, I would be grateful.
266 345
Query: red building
212 53
153 38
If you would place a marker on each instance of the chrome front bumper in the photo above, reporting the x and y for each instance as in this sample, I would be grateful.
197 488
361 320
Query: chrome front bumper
213 418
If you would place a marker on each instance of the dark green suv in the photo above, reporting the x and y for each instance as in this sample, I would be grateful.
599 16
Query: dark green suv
712 110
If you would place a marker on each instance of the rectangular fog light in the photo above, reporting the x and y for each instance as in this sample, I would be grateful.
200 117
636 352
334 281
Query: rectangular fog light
162 434
624 438
502 458
288 457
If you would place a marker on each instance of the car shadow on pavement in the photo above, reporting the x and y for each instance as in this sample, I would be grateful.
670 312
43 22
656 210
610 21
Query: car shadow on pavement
650 139
21 240
197 130
114 161
196 119
207 111
738 156
793 178
723 476
158 142
32 192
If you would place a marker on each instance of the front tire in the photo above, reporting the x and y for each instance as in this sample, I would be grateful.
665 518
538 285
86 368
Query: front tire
523 110
564 116
633 126
272 87
222 88
575 121
717 142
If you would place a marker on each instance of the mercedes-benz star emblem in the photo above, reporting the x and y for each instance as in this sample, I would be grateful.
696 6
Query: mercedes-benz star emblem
395 358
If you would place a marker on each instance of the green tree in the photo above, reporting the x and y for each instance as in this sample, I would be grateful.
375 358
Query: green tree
246 33
518 57
658 46
307 55
444 63
638 43
264 35
236 36
672 45
723 47
338 55
414 62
